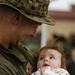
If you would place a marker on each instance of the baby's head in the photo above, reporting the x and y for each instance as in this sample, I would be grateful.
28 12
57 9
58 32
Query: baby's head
51 55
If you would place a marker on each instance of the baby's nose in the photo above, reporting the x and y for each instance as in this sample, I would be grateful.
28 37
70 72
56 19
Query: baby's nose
46 62
46 59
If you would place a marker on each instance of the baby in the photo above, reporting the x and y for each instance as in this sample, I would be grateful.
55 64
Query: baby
51 61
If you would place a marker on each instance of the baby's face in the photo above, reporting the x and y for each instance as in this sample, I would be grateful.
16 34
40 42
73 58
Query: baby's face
50 58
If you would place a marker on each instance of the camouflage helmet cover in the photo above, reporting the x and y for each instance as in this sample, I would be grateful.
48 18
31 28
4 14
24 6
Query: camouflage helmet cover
33 9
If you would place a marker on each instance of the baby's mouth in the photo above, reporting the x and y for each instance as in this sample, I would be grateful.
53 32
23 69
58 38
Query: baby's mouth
45 65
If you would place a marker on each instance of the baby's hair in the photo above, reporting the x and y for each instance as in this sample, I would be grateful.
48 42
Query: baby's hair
56 46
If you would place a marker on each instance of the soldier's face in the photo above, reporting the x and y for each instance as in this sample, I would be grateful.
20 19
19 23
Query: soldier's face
25 28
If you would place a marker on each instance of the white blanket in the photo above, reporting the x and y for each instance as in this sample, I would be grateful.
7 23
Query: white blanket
50 71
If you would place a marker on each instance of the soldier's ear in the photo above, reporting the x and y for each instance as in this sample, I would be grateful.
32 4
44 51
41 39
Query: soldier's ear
16 18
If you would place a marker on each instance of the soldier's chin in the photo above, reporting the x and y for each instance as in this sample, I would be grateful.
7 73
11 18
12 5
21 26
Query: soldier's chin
18 44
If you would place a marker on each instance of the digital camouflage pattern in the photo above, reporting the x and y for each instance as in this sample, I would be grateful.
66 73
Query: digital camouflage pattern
18 61
36 10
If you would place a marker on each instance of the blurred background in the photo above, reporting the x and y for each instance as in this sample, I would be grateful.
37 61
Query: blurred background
63 11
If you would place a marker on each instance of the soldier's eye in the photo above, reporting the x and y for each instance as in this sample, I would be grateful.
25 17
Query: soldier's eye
35 27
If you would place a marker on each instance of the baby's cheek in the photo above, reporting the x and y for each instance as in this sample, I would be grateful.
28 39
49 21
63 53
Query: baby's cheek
59 64
56 64
39 65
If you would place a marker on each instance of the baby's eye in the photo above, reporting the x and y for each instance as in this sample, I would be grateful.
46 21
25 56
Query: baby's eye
52 58
41 58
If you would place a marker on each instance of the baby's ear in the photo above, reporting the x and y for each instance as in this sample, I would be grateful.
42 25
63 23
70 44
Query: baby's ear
63 62
63 66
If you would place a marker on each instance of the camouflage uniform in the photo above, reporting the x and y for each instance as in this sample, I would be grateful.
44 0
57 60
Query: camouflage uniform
14 61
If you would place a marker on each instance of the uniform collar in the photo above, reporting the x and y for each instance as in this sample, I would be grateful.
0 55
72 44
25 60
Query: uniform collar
14 51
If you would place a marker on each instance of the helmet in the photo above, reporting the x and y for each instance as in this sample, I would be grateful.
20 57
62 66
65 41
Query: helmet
35 10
